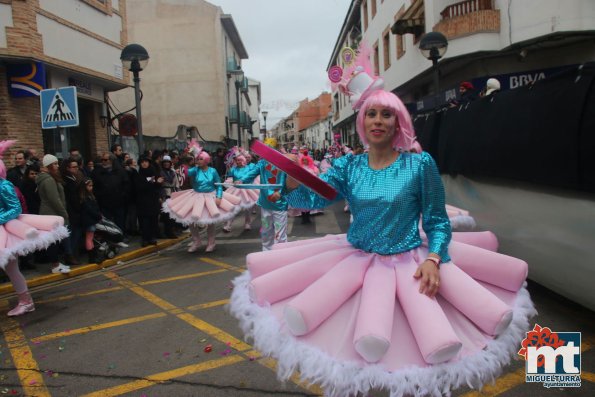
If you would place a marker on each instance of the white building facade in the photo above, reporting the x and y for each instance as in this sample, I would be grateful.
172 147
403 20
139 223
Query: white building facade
516 40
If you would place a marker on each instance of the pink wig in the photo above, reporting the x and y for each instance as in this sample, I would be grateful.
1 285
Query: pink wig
4 145
405 138
241 158
205 156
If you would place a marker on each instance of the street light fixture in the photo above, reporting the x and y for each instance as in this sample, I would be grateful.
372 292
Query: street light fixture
239 76
433 46
135 58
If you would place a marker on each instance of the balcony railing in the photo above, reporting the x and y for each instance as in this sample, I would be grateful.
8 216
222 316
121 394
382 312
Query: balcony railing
466 7
232 64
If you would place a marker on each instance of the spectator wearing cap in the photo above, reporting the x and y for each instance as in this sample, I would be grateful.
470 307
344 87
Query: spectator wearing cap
467 92
170 185
492 87
53 202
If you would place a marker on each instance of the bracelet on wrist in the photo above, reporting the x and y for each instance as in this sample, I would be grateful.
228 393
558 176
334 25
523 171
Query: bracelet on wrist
435 260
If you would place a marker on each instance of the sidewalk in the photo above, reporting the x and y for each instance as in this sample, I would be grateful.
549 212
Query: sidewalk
42 273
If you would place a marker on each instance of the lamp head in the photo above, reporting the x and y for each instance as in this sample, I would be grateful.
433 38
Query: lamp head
134 57
433 45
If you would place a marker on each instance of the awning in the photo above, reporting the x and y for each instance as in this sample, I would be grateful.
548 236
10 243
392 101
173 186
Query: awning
412 21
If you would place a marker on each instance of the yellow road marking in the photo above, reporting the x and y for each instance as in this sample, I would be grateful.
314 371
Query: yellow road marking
189 318
215 332
27 368
166 376
222 264
68 297
588 376
184 277
151 297
97 327
208 305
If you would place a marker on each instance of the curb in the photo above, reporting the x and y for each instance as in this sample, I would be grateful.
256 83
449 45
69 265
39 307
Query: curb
7 288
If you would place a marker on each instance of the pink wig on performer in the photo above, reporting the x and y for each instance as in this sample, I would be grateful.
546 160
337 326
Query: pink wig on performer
240 160
405 138
307 162
4 145
205 156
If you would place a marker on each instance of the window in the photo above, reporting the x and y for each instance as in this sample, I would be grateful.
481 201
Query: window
386 48
376 61
365 12
373 8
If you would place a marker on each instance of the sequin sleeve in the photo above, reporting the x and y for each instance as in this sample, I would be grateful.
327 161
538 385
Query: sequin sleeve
253 173
434 218
302 197
216 179
10 205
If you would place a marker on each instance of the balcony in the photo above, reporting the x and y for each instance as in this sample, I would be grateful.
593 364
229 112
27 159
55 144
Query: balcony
469 17
244 86
232 65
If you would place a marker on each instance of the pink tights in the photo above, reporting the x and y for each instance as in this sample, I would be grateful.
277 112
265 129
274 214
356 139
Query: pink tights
16 277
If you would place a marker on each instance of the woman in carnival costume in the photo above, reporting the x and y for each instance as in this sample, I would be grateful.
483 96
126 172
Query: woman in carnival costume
204 204
21 234
307 163
238 168
381 307
272 200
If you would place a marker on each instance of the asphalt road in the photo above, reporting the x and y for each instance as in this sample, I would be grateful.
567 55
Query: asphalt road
158 326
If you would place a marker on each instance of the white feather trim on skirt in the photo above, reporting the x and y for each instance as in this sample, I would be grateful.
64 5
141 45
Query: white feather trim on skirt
29 233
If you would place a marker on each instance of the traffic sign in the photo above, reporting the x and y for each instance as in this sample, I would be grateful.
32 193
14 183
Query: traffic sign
59 107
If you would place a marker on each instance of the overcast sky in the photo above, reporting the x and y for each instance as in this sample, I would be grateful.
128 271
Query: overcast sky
289 44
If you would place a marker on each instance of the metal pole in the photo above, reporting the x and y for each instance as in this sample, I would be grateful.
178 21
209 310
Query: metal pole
139 122
238 106
436 82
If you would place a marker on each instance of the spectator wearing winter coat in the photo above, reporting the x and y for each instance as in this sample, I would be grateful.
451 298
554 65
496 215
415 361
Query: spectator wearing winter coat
112 190
170 185
147 185
17 173
72 177
29 189
53 202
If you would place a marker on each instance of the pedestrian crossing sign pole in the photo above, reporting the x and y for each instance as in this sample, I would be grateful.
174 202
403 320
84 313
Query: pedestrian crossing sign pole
59 108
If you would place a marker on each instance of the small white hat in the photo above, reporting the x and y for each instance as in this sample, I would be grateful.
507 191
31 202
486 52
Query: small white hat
49 159
492 85
166 158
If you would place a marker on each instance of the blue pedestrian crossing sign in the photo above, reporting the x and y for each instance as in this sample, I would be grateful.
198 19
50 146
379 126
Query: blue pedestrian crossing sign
59 107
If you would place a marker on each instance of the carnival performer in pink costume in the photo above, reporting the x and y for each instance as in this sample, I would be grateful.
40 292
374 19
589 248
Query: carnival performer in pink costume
306 162
381 307
204 204
22 234
248 197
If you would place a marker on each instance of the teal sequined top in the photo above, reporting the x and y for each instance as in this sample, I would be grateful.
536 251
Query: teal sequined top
204 181
268 174
10 206
237 173
386 204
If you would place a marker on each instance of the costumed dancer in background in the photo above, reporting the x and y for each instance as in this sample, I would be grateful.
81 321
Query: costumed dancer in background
272 202
248 197
21 234
380 307
205 204
307 163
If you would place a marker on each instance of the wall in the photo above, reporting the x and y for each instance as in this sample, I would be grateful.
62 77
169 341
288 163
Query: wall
184 80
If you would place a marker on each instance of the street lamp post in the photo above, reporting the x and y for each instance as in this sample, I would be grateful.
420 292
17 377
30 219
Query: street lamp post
264 116
135 58
433 46
238 83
